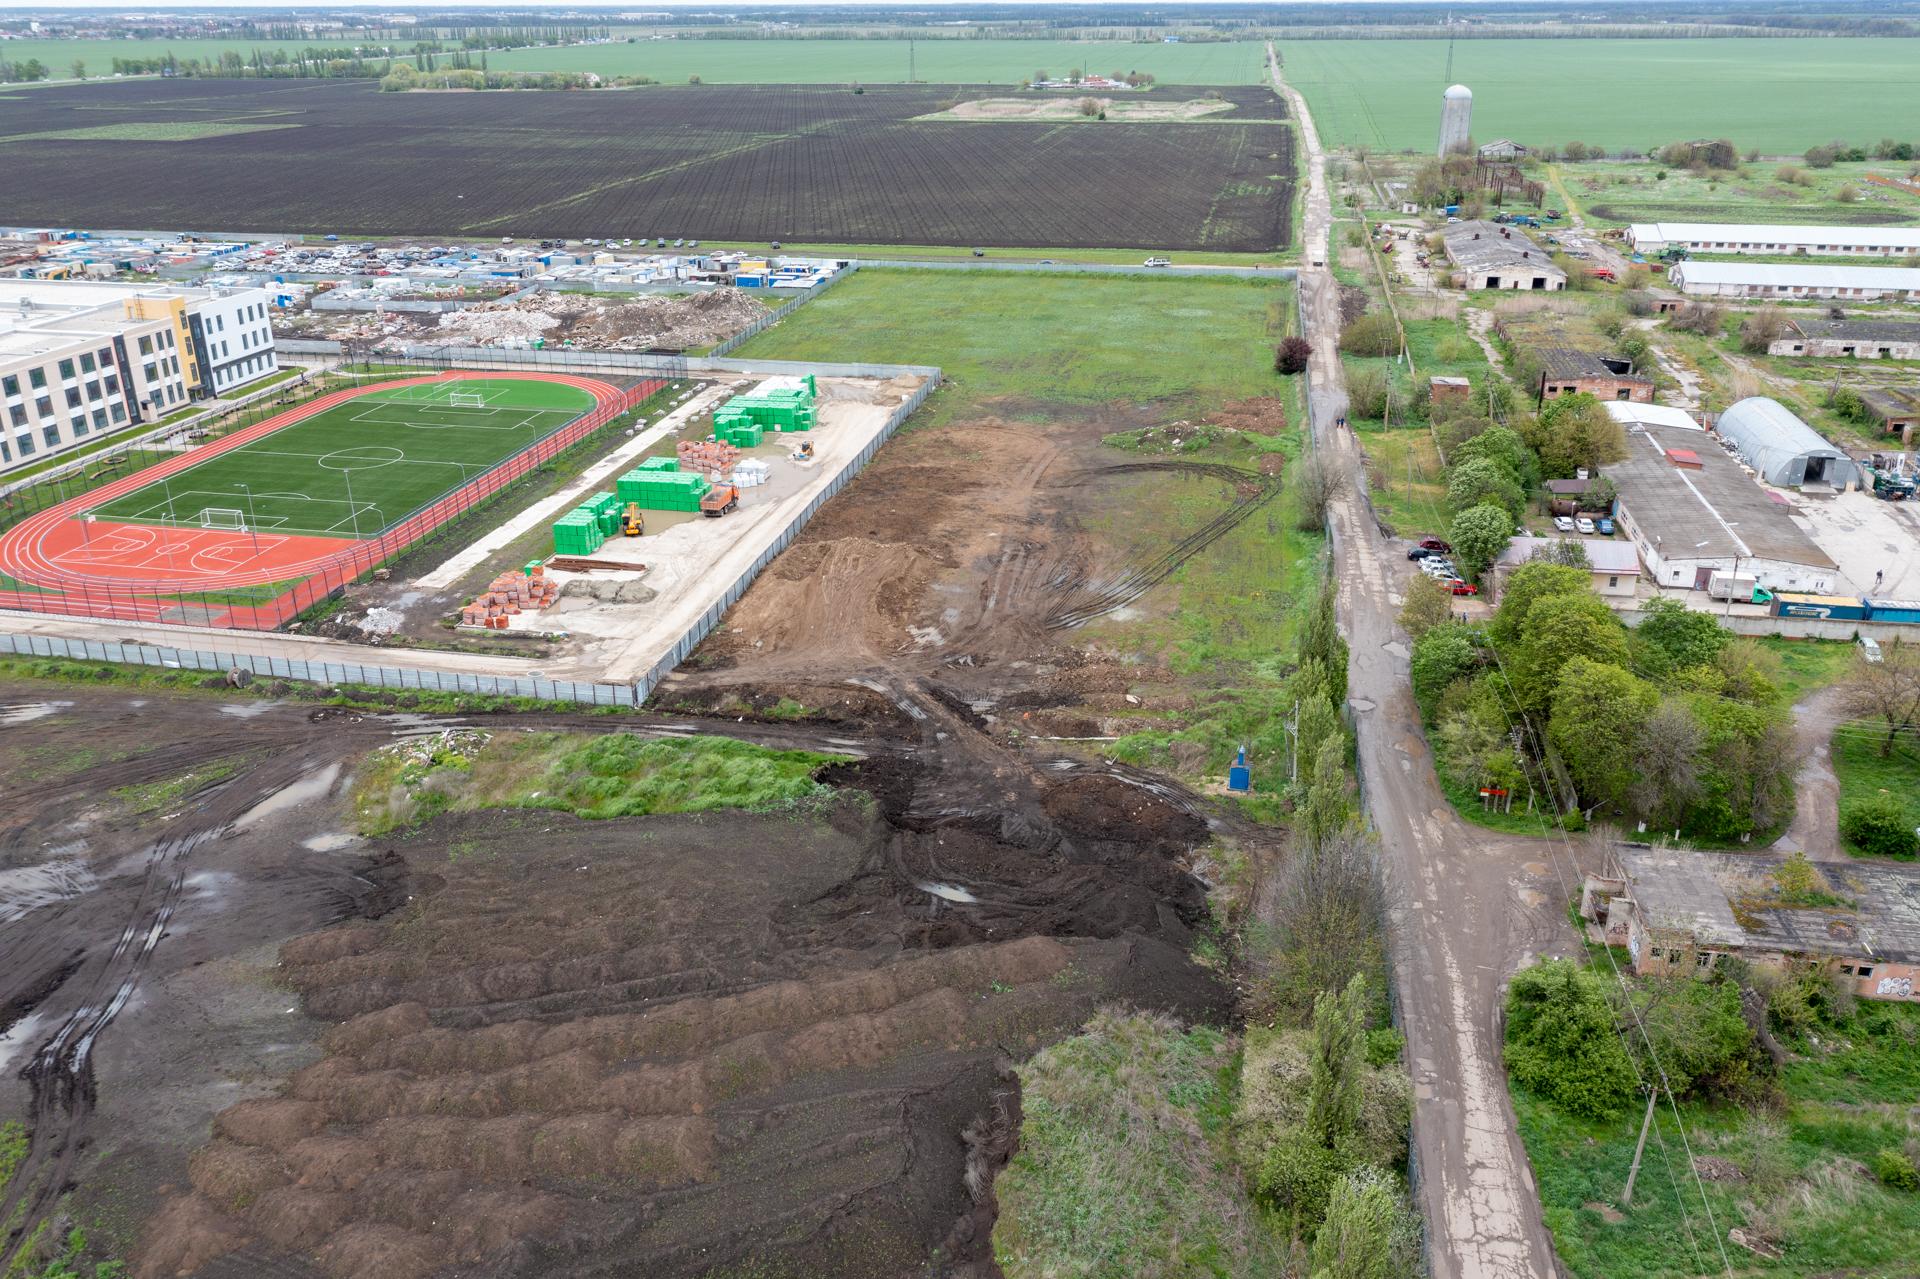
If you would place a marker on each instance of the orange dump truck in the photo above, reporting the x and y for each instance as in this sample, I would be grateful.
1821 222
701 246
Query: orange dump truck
720 499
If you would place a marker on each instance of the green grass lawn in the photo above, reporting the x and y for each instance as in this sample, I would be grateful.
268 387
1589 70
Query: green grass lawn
1809 665
1862 770
886 61
1077 340
362 466
1782 96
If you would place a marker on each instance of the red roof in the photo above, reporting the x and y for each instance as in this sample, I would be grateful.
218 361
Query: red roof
1684 457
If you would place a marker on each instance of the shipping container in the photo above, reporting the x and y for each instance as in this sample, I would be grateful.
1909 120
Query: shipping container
1893 610
1833 608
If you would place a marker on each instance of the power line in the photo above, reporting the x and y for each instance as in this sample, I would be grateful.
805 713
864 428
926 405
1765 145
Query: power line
1653 1054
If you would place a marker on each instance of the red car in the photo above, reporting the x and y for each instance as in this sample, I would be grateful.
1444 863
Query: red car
1463 588
1434 544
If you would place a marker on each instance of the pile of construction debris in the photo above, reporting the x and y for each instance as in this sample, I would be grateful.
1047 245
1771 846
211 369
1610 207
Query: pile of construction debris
644 322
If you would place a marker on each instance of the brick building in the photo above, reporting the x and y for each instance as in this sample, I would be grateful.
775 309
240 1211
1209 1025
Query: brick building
1565 370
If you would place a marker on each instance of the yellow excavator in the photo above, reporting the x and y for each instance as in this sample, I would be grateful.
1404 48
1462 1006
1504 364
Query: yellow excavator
632 523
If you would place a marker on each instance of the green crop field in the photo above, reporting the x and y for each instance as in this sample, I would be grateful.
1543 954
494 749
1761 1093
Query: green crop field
359 467
1782 96
762 61
885 61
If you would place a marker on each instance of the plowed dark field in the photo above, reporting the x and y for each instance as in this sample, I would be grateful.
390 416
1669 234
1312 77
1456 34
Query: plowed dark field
798 163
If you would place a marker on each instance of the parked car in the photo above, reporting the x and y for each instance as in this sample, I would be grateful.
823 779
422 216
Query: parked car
1584 524
1869 648
1420 553
1158 262
1437 568
1562 524
1605 525
1464 588
1434 544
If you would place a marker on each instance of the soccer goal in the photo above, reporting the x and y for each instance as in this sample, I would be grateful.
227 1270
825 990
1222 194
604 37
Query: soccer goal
223 517
466 399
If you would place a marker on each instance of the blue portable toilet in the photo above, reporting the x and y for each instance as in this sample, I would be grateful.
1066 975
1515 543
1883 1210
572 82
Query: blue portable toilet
1240 777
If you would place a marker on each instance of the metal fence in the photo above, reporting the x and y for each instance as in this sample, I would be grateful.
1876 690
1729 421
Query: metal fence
408 677
326 673
1078 268
782 311
619 363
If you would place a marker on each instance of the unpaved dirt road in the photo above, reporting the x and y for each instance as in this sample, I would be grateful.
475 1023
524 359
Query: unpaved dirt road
1473 906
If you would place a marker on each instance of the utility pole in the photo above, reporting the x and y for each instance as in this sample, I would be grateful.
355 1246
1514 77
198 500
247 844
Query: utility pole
1626 1196
1293 741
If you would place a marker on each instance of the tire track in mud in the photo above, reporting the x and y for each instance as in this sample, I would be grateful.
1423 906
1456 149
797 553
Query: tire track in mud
1086 601
61 1069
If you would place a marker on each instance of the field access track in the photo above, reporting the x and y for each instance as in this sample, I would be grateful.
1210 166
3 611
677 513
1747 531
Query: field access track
252 579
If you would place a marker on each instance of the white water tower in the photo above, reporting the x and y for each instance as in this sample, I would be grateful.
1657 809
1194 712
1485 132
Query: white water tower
1456 119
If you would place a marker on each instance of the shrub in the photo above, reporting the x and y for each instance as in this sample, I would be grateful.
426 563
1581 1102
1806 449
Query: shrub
1895 1170
1880 825
1372 334
1368 392
1762 329
1369 1233
1292 355
1562 1041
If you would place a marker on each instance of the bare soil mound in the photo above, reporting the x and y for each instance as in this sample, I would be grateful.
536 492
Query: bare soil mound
670 1045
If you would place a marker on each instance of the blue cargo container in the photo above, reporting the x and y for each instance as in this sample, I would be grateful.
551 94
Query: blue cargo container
1893 610
1832 608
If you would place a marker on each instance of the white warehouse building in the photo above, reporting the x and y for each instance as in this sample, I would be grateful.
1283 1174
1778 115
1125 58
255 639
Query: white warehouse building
1795 282
1741 237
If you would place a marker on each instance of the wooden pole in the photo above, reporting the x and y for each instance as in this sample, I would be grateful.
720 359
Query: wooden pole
1626 1196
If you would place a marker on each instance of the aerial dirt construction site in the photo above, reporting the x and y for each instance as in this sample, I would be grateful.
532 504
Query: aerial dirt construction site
353 986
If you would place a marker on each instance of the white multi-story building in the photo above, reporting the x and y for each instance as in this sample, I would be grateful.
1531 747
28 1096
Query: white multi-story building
80 359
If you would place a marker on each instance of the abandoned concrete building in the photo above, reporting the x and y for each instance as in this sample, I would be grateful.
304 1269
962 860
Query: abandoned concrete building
1683 909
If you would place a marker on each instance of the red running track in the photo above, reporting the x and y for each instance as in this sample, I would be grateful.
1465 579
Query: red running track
115 570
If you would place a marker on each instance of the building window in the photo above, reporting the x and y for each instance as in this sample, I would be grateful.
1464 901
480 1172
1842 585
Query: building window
25 445
99 419
6 452
37 377
1866 970
73 397
1613 581
113 384
66 368
93 390
119 412
19 414
10 384
86 363
146 345
43 406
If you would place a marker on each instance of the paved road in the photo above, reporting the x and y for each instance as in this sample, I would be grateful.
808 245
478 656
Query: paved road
1470 906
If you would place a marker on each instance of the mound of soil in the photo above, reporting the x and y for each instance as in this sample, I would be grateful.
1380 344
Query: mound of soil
667 1045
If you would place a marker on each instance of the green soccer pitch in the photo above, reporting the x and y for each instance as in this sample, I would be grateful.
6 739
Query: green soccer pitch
358 467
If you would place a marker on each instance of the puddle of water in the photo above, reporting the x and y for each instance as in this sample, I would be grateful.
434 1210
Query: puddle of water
19 1040
247 710
27 712
28 888
314 785
330 841
949 892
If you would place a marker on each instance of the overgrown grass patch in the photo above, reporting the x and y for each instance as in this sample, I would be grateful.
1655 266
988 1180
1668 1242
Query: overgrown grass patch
587 775
1122 1167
